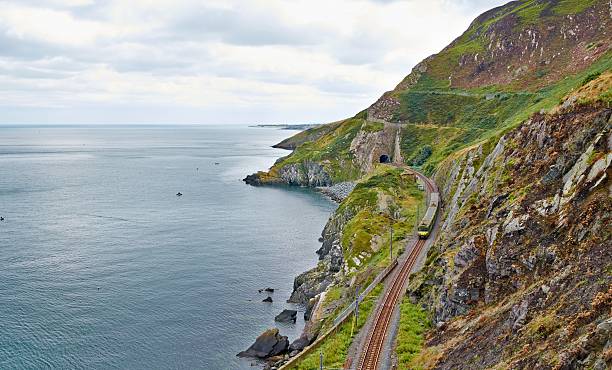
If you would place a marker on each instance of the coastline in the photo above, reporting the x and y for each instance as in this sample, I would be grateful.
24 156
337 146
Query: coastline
337 192
309 286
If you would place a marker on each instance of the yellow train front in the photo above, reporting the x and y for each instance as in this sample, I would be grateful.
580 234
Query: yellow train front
429 220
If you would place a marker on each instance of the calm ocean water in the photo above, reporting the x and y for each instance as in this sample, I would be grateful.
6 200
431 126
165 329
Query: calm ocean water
102 266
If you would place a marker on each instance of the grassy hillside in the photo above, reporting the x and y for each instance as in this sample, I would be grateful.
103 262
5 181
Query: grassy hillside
388 196
512 61
449 122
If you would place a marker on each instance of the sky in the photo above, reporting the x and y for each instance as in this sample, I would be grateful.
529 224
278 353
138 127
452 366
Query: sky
213 61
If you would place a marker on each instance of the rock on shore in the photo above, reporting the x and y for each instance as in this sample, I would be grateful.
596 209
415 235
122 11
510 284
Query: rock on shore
268 344
338 192
286 316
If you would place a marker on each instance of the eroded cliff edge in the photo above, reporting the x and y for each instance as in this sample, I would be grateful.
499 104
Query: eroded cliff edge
522 274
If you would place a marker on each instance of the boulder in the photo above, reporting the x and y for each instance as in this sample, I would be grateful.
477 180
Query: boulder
299 344
270 343
268 300
286 316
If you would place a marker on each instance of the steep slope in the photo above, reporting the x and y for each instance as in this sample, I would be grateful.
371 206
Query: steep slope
522 275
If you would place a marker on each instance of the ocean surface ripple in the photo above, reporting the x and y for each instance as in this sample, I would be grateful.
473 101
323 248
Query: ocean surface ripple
103 266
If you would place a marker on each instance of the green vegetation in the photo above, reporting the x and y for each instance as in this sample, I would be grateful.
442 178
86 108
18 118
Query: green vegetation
530 12
310 134
413 323
564 7
335 347
541 326
590 77
372 204
456 119
372 126
386 191
421 156
331 150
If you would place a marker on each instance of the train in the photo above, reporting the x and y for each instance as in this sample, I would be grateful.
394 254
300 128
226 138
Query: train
429 220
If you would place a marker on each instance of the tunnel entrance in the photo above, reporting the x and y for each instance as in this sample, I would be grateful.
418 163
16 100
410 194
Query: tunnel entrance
385 159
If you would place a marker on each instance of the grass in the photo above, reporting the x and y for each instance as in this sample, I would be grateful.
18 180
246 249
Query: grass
371 205
310 134
366 221
335 347
565 7
332 149
451 122
413 324
542 326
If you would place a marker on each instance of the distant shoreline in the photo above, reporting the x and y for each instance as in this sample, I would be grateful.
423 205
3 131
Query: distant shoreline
298 126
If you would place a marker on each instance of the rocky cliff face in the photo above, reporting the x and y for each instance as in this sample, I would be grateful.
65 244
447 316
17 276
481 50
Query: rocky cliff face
521 275
311 283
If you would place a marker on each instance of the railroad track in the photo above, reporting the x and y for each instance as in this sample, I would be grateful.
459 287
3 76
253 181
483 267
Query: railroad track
376 338
375 341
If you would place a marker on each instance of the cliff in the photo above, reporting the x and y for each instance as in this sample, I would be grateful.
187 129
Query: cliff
520 277
513 121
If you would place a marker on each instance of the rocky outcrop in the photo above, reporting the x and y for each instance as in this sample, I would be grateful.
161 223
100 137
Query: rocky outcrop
523 254
338 192
270 343
309 174
286 316
386 107
312 282
299 344
368 146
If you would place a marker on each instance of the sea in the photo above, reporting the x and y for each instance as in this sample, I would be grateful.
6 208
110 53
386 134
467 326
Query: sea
103 266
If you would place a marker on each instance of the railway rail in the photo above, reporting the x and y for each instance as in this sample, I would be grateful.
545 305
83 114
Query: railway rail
374 345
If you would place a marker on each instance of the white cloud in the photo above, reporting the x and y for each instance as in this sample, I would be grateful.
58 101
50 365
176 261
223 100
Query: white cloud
214 61
51 26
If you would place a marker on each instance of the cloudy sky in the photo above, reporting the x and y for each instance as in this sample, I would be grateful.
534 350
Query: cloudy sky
213 61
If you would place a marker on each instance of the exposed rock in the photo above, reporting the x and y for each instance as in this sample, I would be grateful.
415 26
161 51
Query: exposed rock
254 179
314 281
368 147
299 344
310 283
338 192
518 315
309 307
286 316
495 203
605 326
513 224
267 299
305 174
553 174
535 282
268 344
